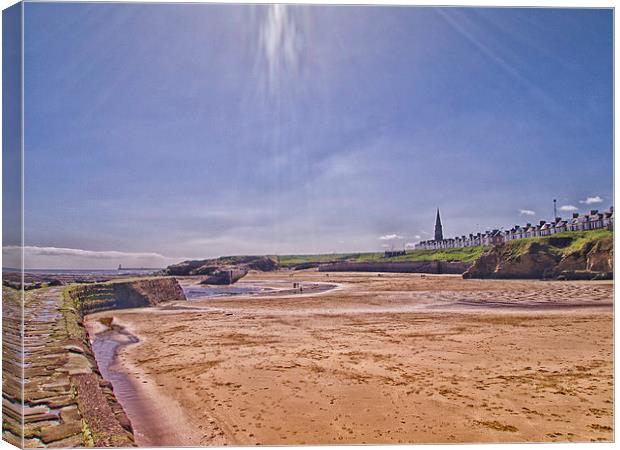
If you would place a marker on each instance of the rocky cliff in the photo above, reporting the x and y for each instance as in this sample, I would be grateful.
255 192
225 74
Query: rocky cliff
225 270
578 255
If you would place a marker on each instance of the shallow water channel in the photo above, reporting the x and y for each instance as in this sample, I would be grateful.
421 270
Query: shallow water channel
147 417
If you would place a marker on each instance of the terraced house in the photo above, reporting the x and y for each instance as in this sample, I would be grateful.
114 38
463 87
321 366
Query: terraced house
595 220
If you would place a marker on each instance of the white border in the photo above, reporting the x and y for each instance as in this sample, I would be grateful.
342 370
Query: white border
482 3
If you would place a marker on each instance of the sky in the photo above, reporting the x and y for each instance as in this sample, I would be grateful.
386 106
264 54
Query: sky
156 133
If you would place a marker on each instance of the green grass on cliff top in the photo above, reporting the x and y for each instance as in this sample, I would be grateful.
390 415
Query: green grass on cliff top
583 237
468 254
557 243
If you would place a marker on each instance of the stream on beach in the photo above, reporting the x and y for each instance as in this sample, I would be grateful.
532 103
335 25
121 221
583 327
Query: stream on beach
106 345
108 337
154 424
199 292
258 288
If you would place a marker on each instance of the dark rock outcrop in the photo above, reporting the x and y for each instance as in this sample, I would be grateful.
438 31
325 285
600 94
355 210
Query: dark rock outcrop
206 269
263 264
212 267
184 267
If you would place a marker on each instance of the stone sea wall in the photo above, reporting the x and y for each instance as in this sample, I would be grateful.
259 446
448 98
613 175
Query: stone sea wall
437 267
66 402
91 298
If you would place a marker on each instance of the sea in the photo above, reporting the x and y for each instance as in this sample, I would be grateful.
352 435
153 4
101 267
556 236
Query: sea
99 272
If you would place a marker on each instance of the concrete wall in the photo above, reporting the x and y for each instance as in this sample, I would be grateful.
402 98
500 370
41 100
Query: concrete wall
398 267
92 298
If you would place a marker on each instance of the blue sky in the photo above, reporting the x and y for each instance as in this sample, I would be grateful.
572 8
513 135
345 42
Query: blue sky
205 130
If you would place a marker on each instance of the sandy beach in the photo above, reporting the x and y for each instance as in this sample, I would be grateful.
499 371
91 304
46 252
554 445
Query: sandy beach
378 358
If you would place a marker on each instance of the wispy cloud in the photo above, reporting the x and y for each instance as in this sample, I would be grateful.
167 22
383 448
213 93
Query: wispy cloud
591 200
390 237
527 212
568 208
73 258
410 245
280 43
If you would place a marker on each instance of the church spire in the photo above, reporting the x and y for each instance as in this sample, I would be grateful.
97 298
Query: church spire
438 228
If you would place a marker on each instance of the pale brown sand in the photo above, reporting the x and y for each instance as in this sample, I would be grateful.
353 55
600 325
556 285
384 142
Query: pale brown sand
394 358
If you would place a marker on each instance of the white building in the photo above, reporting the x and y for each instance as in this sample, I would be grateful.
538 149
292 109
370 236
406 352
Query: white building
595 220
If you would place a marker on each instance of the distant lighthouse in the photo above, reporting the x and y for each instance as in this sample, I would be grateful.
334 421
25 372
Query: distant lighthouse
438 228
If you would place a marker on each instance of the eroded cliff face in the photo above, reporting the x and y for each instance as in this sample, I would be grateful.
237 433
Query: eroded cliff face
547 258
596 256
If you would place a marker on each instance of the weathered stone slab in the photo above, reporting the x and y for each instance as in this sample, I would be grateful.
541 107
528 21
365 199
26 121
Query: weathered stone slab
70 414
59 402
74 348
73 441
41 417
59 432
78 364
32 411
11 438
13 425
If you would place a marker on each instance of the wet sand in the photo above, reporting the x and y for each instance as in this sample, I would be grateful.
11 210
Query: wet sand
389 358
